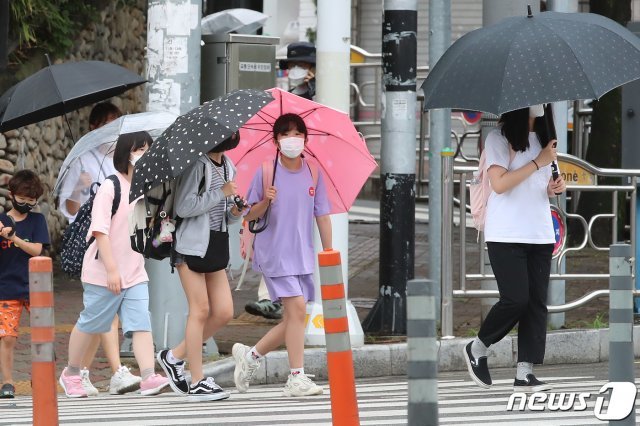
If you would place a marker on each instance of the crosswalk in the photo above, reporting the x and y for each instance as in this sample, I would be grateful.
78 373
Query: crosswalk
381 402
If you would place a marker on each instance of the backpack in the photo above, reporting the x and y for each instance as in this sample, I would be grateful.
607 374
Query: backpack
74 239
153 222
480 190
246 236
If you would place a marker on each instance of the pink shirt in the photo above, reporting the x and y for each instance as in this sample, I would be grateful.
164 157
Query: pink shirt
130 263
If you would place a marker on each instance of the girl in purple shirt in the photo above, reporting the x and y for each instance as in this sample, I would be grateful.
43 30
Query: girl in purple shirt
284 252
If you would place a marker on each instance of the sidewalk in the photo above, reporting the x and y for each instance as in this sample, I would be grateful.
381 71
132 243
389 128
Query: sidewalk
363 290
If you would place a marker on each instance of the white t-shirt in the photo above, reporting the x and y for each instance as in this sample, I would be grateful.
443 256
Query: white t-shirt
93 162
522 214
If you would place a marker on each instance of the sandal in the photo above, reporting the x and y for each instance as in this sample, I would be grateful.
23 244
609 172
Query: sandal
7 391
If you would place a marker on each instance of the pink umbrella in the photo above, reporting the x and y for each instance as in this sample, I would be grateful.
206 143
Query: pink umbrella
334 144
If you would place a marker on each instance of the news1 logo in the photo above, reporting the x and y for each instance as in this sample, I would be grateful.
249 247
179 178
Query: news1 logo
621 401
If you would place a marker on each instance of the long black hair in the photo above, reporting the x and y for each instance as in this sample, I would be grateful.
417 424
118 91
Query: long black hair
515 128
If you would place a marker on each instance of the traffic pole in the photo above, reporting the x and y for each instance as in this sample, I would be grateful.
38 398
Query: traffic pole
43 365
621 360
397 167
422 353
344 402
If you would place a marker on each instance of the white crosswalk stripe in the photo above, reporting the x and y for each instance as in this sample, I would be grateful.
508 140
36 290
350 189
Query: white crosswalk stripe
381 402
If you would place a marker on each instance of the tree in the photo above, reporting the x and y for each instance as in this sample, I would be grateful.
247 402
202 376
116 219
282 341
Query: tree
605 142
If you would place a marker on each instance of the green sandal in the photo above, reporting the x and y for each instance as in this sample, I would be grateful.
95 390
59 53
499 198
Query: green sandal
7 391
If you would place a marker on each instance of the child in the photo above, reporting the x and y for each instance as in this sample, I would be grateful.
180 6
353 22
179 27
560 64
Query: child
284 252
18 242
114 278
202 200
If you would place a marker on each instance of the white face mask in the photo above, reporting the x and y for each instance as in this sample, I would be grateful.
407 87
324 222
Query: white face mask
536 111
134 159
292 147
296 76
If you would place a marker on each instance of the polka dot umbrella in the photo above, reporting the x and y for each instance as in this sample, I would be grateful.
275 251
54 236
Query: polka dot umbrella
194 134
534 59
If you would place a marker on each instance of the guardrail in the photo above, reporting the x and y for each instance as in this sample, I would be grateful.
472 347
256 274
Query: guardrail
454 174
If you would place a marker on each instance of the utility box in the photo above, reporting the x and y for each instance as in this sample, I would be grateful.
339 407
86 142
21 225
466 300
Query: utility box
237 61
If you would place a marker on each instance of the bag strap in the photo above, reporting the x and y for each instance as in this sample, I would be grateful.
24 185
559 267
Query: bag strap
116 193
313 168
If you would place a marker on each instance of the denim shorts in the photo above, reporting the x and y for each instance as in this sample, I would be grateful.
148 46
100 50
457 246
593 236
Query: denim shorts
101 306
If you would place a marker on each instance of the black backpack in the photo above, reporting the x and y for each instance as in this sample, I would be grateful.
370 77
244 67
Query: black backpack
74 240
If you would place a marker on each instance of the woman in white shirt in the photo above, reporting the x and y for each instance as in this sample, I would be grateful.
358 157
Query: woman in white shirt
520 239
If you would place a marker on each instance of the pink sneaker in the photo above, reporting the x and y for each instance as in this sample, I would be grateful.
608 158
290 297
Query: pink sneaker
72 385
153 385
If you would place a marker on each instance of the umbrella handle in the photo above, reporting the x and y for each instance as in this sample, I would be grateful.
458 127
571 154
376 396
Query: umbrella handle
253 228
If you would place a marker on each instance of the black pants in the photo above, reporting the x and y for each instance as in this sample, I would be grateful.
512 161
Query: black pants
522 272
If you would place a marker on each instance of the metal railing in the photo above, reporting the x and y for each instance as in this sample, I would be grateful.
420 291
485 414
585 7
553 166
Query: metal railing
454 174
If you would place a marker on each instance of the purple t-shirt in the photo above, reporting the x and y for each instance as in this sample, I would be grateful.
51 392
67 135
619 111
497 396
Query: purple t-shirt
286 246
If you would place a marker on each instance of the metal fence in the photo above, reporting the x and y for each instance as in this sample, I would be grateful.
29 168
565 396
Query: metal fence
581 177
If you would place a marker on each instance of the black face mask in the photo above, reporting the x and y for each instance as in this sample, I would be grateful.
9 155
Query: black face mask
22 208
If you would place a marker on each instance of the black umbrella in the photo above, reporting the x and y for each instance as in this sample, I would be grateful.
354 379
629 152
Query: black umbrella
529 60
58 89
194 134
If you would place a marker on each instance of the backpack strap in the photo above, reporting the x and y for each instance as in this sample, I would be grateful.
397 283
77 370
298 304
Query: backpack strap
116 193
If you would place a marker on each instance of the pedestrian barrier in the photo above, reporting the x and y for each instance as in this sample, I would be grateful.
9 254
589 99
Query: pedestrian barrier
422 353
621 366
344 403
43 366
586 180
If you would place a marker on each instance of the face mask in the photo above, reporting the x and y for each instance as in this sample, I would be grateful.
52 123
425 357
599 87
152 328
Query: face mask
536 111
292 147
22 208
134 159
296 76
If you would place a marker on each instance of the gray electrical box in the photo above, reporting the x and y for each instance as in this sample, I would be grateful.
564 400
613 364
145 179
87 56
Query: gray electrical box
237 61
631 117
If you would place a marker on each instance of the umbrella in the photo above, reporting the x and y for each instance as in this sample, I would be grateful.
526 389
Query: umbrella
334 144
241 21
154 123
530 60
58 89
194 134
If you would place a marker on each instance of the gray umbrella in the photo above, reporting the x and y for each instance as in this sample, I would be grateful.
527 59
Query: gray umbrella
529 60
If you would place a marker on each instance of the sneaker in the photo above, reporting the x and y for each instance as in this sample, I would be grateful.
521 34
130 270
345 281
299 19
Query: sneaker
478 369
301 385
72 385
123 381
244 370
265 308
7 391
86 383
206 390
174 372
530 384
153 385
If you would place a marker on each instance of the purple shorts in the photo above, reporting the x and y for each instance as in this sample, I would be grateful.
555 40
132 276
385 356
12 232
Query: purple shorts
290 286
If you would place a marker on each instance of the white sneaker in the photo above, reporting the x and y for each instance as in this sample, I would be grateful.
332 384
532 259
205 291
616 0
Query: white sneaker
244 370
86 383
301 385
123 381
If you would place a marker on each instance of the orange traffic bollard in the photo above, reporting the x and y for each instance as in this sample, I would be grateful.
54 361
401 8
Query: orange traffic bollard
344 403
43 365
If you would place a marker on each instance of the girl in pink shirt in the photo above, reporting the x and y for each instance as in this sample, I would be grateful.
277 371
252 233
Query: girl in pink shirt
114 278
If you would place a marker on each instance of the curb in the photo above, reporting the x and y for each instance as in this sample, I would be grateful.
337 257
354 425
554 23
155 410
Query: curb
563 347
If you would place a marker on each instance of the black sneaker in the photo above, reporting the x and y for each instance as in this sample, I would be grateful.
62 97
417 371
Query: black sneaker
7 391
174 372
478 369
206 390
265 308
530 384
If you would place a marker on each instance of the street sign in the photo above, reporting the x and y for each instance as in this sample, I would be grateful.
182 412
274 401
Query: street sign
573 174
